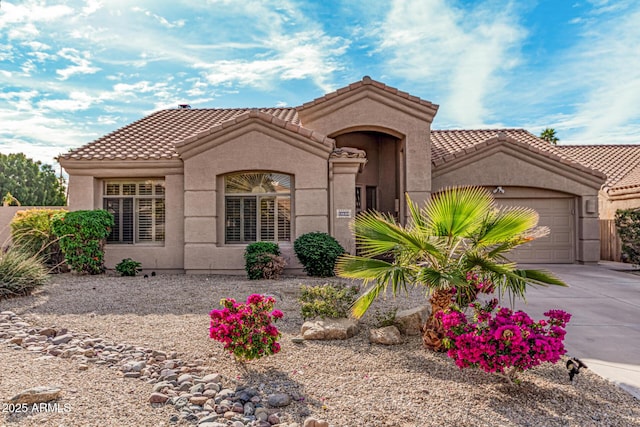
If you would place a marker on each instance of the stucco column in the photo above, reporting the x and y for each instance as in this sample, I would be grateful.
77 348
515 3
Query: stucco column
417 167
342 182
588 230
85 193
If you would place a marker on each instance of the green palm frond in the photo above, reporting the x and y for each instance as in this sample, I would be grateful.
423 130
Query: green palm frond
540 277
378 234
507 224
383 273
457 211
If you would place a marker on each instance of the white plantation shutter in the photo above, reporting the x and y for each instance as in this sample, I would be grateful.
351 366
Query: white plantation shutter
138 209
257 207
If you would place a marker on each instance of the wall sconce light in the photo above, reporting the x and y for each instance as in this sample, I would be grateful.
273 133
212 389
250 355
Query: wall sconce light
498 189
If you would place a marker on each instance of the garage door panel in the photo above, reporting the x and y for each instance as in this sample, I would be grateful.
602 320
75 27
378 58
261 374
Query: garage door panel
559 245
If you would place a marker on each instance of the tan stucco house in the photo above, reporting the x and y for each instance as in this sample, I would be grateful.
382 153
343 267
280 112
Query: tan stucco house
189 188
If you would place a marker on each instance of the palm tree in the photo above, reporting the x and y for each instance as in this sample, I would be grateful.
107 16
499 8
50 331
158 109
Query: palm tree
549 135
459 231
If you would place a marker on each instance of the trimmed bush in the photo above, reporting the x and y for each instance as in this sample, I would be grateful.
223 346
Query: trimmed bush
318 253
20 274
128 267
32 234
263 261
331 300
628 226
82 237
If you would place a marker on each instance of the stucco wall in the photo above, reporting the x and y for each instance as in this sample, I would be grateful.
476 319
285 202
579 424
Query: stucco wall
252 147
608 207
86 191
371 109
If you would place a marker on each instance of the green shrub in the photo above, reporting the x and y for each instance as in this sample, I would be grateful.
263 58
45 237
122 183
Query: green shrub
318 253
20 274
263 261
628 226
385 318
82 237
128 267
31 233
331 300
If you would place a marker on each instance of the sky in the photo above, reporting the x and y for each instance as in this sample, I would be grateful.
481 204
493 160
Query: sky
74 70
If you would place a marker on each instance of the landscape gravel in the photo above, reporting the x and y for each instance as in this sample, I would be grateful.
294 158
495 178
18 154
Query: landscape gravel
347 383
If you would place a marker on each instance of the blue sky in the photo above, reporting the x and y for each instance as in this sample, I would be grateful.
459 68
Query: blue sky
73 70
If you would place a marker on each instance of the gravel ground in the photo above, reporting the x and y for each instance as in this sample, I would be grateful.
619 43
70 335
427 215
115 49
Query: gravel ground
347 383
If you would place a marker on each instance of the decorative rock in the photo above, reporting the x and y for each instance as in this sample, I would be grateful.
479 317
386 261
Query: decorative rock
62 339
185 378
261 414
249 409
199 400
278 400
212 378
389 335
410 321
297 340
312 422
48 332
158 398
274 419
83 367
329 329
132 375
160 385
39 394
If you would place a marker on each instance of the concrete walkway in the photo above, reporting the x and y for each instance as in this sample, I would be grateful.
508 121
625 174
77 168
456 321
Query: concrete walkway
604 331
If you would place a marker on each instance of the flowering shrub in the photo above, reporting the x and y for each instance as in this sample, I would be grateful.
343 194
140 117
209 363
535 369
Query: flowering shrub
245 329
502 341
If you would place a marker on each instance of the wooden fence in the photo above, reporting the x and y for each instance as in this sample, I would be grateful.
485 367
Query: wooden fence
610 245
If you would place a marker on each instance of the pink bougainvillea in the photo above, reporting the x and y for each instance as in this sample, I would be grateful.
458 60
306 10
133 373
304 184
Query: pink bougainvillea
246 329
502 341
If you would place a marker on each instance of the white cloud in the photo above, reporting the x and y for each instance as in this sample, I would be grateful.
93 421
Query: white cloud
21 19
163 21
602 74
463 53
289 47
91 6
81 61
77 101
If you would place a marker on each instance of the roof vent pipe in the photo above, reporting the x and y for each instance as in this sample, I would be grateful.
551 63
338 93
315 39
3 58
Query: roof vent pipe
184 107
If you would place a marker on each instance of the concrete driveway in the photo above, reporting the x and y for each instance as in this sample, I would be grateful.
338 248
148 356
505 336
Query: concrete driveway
604 331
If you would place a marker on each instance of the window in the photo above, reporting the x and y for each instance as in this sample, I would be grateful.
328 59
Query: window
138 209
257 207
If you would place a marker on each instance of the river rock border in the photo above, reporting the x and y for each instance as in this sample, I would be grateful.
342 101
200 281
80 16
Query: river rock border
203 399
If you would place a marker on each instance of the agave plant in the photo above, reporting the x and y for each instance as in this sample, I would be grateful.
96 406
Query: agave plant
460 230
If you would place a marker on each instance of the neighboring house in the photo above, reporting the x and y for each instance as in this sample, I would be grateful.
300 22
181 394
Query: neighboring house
189 188
621 165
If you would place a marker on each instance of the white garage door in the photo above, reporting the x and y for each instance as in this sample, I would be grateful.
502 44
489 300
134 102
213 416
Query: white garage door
559 245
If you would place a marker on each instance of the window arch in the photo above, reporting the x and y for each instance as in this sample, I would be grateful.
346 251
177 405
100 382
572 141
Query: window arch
257 207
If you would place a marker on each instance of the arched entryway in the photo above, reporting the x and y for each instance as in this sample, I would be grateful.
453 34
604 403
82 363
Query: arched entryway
379 185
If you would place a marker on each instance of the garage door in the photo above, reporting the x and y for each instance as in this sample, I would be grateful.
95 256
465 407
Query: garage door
559 245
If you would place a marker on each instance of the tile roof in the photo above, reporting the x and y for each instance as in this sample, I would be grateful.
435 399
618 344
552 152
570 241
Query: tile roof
265 116
155 136
366 80
449 144
621 163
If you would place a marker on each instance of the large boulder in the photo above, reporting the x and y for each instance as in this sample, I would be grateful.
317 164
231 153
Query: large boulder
411 321
329 329
39 394
389 335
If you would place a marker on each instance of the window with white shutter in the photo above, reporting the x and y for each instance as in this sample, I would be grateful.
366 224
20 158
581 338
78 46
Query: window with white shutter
257 207
138 209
